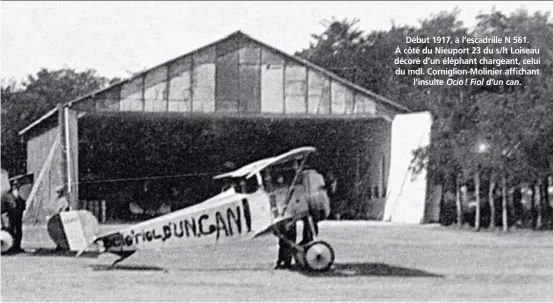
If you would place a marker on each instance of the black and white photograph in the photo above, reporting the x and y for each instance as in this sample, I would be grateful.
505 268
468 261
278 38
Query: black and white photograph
276 151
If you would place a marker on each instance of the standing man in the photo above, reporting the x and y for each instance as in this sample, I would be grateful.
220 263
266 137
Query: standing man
310 232
285 249
13 206
20 206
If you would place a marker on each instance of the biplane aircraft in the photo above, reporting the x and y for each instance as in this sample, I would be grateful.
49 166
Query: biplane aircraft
264 197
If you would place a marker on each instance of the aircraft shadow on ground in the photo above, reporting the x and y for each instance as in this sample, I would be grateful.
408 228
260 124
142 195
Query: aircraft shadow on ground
337 270
369 269
107 267
133 267
52 252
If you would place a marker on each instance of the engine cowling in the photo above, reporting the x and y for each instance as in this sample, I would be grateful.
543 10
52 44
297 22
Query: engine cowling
317 197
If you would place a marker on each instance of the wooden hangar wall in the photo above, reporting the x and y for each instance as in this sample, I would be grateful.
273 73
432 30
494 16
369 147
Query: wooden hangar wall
235 76
238 75
43 152
52 158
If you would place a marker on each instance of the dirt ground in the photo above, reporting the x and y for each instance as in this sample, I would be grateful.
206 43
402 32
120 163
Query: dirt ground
374 262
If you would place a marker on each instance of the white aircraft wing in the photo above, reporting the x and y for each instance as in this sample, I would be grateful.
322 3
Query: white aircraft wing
252 168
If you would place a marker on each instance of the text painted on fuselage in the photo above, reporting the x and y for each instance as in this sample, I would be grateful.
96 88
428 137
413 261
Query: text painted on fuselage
221 223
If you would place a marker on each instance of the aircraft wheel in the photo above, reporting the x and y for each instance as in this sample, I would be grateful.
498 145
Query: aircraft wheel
6 240
319 256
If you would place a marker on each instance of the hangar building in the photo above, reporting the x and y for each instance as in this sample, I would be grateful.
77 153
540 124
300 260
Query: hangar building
167 130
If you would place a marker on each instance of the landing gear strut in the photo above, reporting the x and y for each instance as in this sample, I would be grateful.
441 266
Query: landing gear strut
310 254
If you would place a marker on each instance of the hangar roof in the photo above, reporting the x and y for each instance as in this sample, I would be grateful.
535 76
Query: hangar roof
235 35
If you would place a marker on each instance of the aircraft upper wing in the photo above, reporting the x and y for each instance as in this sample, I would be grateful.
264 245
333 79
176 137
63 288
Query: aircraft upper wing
252 168
245 170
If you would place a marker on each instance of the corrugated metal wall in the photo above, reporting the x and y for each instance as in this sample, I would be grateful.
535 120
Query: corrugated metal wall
238 76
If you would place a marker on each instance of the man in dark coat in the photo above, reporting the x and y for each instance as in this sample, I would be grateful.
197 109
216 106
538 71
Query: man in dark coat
13 206
285 250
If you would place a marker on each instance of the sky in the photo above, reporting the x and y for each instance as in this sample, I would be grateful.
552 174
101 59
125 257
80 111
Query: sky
120 38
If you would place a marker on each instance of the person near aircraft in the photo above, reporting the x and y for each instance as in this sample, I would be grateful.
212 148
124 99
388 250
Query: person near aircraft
13 206
258 212
285 250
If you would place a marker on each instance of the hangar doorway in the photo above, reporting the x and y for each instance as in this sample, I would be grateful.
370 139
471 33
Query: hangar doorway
134 166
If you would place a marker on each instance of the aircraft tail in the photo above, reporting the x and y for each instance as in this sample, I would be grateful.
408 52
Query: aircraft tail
86 248
107 240
73 230
91 246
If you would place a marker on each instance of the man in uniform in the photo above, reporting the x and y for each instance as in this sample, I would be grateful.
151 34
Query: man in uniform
285 250
13 206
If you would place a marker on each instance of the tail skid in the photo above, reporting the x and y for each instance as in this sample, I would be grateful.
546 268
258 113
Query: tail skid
101 248
124 255
89 246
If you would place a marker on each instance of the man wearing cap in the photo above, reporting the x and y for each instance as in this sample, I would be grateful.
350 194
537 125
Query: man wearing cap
13 206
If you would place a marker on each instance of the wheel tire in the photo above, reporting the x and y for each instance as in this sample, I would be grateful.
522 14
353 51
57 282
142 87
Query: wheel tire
6 240
319 256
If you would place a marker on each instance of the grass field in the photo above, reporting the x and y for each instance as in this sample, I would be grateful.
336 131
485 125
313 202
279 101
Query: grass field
374 262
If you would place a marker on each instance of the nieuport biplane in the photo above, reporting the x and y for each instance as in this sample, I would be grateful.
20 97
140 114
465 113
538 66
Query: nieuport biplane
264 197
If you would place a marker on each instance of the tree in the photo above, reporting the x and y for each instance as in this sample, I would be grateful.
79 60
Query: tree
337 47
514 121
491 200
365 59
36 96
519 119
478 206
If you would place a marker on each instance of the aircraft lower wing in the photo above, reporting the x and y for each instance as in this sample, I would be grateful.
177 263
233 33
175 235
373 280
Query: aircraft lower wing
278 224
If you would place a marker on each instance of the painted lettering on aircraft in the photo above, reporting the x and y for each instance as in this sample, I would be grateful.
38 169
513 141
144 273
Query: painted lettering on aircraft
218 224
247 214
